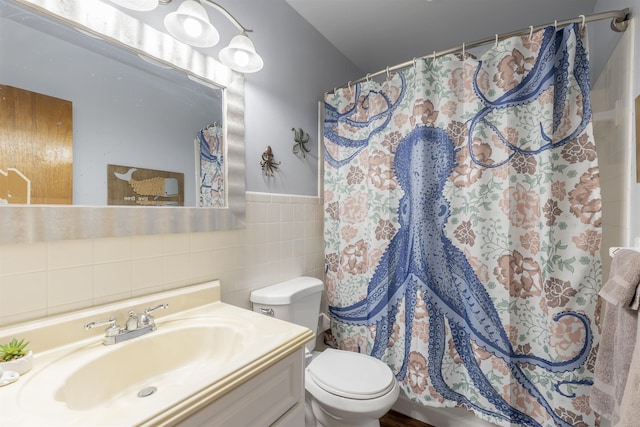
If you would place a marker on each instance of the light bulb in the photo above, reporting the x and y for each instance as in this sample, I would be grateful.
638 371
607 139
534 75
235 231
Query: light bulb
192 27
241 58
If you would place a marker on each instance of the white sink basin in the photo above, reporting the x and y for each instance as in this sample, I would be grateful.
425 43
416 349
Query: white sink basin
201 350
177 352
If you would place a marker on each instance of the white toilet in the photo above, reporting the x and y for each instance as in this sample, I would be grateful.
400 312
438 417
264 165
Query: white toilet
343 388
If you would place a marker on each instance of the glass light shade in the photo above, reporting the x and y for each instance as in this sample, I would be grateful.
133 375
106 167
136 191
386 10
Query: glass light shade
241 55
190 24
141 5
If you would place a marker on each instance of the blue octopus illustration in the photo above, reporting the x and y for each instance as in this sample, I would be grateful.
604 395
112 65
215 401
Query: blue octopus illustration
421 257
381 120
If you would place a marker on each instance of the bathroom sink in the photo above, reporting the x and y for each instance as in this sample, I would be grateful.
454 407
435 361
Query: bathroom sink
173 354
201 350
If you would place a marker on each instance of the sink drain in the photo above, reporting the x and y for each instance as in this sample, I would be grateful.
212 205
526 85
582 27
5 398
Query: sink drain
147 391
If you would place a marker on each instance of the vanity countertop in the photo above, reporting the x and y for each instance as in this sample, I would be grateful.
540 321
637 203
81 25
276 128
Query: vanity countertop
76 380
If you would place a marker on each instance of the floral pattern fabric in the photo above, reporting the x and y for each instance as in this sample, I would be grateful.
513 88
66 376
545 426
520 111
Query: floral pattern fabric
211 143
462 229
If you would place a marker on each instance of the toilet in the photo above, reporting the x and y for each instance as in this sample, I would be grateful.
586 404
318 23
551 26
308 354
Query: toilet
343 388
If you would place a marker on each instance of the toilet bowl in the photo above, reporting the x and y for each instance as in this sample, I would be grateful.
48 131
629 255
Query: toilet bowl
343 388
349 389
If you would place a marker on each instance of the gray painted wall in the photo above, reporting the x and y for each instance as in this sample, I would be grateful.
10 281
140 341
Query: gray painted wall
300 65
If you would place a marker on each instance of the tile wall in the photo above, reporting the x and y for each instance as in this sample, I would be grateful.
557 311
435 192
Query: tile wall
283 239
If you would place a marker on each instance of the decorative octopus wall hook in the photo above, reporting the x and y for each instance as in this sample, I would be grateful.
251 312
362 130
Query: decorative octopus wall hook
267 163
301 138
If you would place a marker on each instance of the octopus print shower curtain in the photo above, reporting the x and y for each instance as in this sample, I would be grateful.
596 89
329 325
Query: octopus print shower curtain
462 228
210 143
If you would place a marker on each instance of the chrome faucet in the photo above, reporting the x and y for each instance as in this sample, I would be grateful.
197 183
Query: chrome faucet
136 325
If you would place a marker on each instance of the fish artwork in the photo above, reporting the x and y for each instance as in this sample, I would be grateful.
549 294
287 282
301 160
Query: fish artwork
156 186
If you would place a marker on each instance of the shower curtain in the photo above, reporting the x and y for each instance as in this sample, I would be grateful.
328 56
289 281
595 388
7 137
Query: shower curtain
462 228
211 173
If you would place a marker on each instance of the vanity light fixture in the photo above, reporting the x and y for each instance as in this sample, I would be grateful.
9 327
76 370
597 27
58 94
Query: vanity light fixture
190 24
241 55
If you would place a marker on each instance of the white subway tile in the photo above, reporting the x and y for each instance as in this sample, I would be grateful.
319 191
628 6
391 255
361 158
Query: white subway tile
298 247
273 232
257 213
147 273
299 228
239 258
202 264
239 237
224 239
176 269
23 293
202 241
298 212
273 252
148 246
111 281
70 285
258 234
69 253
286 212
111 249
222 260
178 243
286 249
273 212
286 231
310 212
23 258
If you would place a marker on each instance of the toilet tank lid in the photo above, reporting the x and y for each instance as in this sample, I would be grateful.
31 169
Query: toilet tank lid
287 292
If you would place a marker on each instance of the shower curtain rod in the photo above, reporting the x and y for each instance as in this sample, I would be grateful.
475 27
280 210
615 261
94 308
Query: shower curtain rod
619 23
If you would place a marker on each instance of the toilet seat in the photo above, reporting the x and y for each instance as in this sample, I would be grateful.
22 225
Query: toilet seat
351 375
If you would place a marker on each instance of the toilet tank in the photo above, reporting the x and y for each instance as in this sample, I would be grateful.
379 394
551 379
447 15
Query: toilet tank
296 301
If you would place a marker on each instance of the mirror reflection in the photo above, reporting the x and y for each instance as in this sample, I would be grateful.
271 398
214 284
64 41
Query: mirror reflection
124 131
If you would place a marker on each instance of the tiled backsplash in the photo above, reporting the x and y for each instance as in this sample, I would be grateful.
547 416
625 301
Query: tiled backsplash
283 239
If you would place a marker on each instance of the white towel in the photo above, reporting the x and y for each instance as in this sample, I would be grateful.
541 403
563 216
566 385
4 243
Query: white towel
619 330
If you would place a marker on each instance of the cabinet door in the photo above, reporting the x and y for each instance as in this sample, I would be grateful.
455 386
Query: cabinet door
293 418
260 401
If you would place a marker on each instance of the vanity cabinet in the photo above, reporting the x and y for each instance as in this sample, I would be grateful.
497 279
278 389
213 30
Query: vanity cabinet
274 397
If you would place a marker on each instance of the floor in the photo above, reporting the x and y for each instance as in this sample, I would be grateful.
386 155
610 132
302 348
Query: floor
396 419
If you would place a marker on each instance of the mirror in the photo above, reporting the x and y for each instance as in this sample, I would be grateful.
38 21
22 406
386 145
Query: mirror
201 93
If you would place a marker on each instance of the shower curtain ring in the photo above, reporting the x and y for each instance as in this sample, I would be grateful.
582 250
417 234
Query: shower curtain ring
368 77
496 40
434 55
583 21
415 65
387 71
349 84
555 24
530 31
463 46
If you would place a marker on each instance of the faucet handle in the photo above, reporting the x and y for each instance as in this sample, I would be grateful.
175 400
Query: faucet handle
111 322
147 319
149 310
